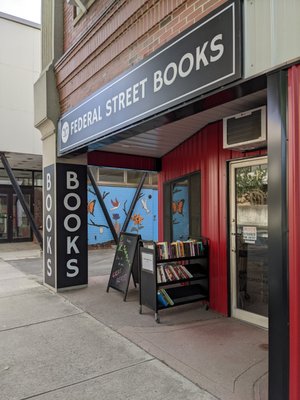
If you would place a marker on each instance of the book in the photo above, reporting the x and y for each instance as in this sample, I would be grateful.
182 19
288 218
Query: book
174 253
174 271
162 250
167 297
162 273
186 271
161 299
169 273
159 274
179 272
180 249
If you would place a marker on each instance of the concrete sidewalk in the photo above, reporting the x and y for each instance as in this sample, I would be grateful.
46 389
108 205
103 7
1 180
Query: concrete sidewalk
51 349
226 357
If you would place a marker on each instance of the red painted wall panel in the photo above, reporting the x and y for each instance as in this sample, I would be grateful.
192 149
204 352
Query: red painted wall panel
294 227
126 161
204 152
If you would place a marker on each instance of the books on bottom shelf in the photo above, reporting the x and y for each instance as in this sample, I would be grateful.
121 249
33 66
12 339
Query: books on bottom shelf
172 272
176 296
164 299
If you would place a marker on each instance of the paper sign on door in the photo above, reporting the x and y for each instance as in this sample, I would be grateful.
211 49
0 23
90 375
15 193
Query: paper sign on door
249 234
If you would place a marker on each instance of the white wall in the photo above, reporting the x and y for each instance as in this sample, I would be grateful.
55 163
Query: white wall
271 34
19 69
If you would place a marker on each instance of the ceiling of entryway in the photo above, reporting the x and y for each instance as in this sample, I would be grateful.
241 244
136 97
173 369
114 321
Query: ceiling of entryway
24 161
159 141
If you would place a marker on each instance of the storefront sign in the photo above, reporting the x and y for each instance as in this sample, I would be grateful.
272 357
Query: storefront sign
71 225
203 58
49 227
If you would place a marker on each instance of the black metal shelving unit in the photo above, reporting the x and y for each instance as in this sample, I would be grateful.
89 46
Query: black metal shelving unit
181 291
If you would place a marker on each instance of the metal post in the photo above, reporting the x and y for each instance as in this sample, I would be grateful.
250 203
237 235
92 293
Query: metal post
134 201
22 200
104 209
278 238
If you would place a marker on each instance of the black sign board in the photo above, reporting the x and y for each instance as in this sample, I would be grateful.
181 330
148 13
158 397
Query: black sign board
71 191
49 227
125 258
202 58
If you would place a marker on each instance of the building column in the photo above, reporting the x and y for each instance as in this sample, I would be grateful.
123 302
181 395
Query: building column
278 238
65 219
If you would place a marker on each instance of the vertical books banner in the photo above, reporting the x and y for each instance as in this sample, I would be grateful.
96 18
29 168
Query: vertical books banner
65 263
49 227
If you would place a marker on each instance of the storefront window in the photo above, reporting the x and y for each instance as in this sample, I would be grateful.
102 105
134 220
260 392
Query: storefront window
182 208
23 177
111 175
38 178
153 178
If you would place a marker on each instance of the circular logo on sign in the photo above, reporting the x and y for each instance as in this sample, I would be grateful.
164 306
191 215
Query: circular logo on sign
65 132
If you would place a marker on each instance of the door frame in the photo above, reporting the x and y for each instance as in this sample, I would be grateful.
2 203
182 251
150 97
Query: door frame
236 312
9 191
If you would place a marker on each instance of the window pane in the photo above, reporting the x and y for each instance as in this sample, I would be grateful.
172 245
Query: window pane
154 179
23 177
21 227
38 178
111 175
134 177
180 210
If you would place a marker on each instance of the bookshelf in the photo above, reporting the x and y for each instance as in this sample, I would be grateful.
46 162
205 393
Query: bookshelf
172 274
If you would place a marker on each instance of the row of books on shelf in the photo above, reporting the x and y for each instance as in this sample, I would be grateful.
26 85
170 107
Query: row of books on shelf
171 297
171 272
164 299
188 248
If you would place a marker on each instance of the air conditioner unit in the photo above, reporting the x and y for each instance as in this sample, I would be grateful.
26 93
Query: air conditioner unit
245 131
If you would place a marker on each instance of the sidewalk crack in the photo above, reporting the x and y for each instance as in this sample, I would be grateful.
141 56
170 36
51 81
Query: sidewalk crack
88 379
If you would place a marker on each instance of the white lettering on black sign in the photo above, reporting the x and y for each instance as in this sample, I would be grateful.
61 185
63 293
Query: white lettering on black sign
49 224
72 232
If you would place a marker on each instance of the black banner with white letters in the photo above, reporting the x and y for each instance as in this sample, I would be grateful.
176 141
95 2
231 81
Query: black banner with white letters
71 193
49 227
202 58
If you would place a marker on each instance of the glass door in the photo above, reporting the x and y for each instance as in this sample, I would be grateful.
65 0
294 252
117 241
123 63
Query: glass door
3 217
14 224
20 222
249 240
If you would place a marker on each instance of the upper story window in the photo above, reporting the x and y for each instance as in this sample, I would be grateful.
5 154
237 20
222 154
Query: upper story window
80 8
120 177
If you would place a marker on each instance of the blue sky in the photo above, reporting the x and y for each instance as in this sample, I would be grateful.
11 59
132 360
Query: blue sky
26 9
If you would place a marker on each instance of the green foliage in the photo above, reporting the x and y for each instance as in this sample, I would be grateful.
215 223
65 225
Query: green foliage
250 181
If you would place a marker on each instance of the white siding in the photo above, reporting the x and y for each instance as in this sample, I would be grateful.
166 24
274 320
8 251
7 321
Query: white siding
19 69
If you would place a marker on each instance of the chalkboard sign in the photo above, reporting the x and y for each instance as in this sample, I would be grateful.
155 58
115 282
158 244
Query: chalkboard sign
125 259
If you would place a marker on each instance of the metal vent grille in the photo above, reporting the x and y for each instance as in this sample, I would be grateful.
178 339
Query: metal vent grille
245 130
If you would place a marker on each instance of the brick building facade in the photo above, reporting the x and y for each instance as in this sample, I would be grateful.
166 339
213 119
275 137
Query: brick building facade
92 53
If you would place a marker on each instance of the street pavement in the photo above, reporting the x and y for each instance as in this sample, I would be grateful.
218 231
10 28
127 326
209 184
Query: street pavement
52 349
